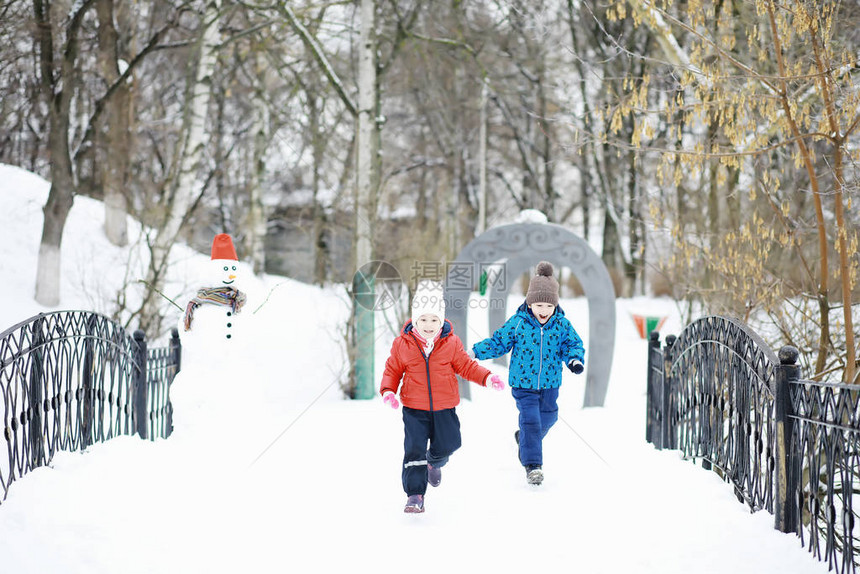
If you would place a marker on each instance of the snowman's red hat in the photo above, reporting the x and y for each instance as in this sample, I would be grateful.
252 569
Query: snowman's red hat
222 247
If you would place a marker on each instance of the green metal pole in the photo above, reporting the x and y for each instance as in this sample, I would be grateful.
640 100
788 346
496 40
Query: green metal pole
364 336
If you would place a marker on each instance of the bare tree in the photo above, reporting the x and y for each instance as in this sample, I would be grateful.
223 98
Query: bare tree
116 142
58 54
186 185
771 88
260 130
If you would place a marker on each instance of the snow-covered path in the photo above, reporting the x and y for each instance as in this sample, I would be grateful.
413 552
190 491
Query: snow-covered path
316 488
309 482
610 503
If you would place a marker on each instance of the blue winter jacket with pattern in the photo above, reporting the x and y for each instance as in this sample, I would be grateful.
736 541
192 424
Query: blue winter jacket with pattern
538 352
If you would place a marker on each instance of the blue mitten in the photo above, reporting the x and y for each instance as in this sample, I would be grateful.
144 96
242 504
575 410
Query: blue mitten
576 366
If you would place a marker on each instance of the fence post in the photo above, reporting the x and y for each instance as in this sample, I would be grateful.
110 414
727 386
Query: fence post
650 416
666 395
87 402
34 403
785 507
140 384
176 349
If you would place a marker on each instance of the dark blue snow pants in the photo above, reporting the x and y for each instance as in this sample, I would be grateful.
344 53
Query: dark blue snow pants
538 412
441 429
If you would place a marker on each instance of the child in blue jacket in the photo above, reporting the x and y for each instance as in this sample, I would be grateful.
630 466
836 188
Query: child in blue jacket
541 340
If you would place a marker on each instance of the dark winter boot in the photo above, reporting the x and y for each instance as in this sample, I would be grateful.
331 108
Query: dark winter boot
414 504
534 474
434 475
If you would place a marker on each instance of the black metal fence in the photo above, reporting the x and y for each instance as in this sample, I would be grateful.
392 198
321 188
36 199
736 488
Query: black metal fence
73 378
718 393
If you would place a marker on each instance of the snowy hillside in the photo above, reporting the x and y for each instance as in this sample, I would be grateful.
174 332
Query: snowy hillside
302 480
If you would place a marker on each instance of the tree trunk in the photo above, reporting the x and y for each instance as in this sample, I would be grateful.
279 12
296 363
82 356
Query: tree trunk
219 160
366 155
824 269
319 216
545 148
367 177
115 150
257 220
56 211
845 267
611 239
58 206
587 160
56 87
482 164
634 265
186 186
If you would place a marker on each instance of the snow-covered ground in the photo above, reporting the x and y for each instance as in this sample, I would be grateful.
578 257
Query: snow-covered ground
310 482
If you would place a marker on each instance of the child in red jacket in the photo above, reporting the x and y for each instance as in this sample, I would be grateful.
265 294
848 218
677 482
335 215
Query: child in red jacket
424 363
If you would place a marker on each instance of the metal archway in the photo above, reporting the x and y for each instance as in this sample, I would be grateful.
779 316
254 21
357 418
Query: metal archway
511 250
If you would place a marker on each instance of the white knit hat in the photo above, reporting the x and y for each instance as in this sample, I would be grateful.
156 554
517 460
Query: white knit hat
428 300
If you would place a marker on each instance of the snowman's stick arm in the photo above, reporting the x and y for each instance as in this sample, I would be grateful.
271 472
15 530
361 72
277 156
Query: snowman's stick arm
266 300
160 293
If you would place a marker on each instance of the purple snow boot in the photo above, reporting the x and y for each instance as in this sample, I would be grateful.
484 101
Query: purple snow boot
434 475
414 504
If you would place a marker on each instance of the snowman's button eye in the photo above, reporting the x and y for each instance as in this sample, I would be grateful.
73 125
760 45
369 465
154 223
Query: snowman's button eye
226 268
234 268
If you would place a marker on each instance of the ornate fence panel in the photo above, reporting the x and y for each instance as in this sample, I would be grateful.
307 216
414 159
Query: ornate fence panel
823 465
162 364
721 406
72 378
787 445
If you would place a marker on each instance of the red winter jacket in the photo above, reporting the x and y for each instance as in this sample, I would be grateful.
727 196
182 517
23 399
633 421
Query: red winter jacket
429 384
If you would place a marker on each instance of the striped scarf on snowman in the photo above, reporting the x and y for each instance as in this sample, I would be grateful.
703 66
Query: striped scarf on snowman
224 296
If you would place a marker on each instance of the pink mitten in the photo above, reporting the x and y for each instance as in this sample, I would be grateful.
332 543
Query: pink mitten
390 399
497 383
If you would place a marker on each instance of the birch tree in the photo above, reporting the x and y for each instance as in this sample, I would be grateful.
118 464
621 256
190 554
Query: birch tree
186 185
256 221
367 158
367 152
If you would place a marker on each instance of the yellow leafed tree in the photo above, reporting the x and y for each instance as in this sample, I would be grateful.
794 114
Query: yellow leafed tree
755 122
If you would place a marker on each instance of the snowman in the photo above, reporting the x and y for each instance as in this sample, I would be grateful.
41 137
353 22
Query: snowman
212 393
212 318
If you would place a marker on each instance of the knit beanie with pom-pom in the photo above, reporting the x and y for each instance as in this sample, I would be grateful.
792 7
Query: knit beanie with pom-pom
543 287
